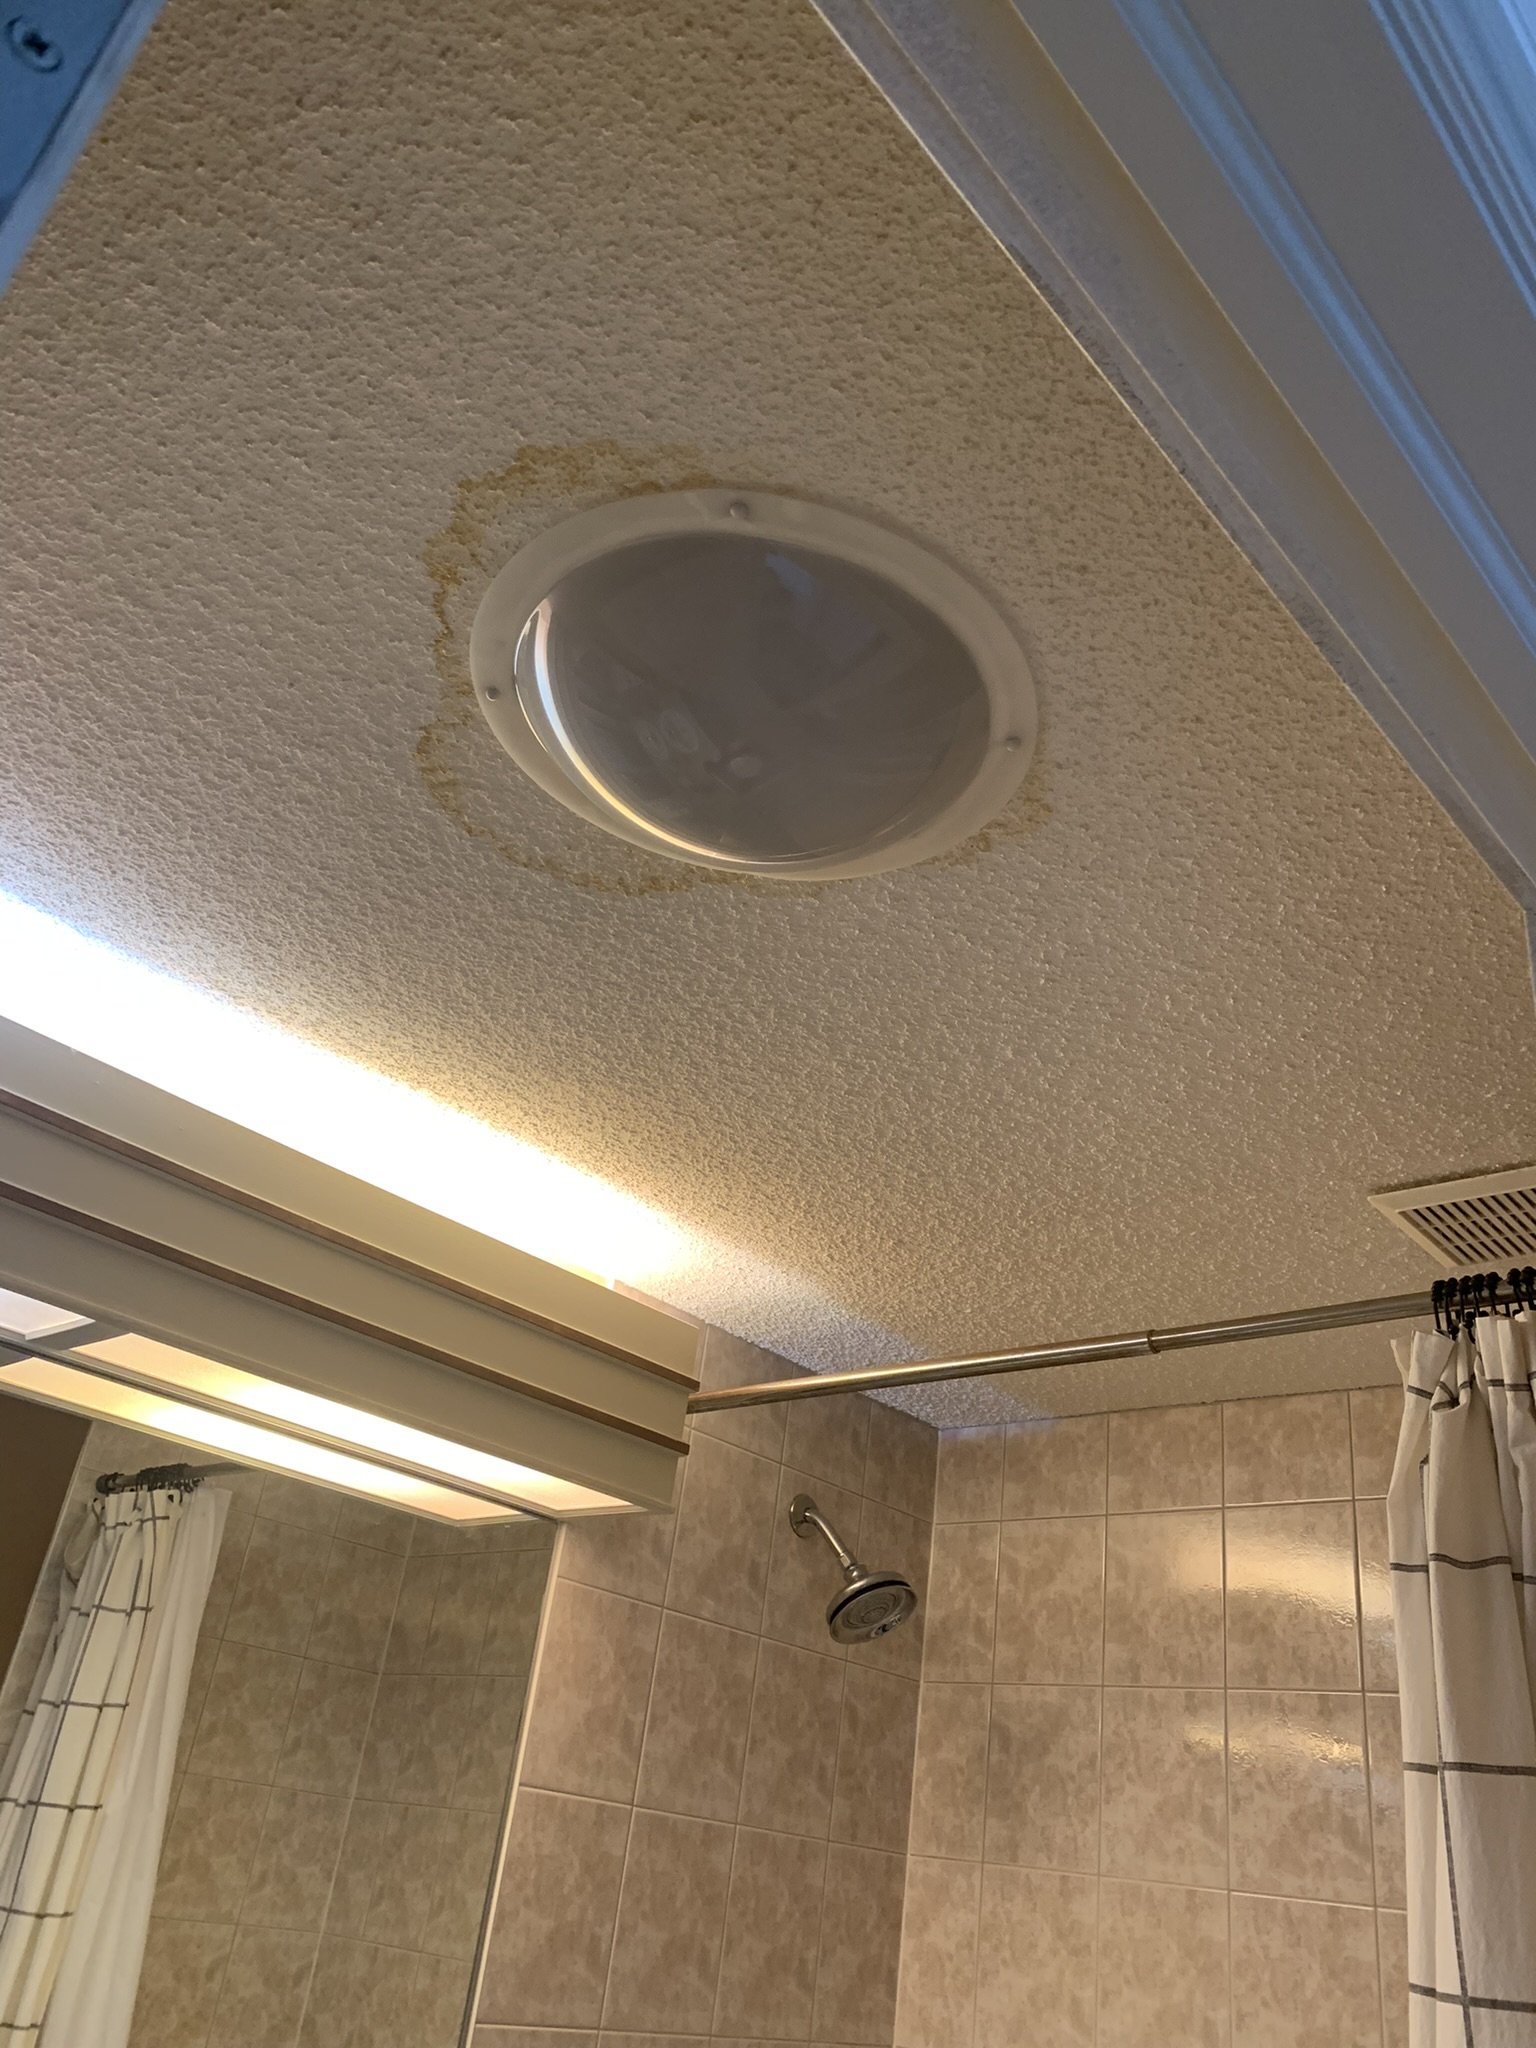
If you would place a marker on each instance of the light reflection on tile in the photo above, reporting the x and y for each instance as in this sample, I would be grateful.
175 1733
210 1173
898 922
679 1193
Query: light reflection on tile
1378 1634
696 1729
1163 1606
1291 1596
1300 1815
1384 1745
1165 1785
725 1521
791 1758
183 1967
262 1998
873 1800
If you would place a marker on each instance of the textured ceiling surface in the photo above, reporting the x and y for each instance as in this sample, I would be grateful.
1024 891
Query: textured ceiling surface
342 305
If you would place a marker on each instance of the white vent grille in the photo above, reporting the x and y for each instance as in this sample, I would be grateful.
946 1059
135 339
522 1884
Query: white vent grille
1474 1224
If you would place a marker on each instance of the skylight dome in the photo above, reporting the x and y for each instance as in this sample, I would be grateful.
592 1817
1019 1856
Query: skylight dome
755 683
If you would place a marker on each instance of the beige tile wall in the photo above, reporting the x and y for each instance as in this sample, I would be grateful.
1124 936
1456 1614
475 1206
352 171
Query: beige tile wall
710 1839
1157 1788
342 1771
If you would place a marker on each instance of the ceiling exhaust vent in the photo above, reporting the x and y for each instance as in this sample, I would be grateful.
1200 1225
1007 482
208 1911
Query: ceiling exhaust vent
1489 1220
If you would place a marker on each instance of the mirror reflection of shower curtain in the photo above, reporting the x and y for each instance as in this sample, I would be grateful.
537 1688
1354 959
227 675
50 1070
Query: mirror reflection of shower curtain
1461 1515
86 1785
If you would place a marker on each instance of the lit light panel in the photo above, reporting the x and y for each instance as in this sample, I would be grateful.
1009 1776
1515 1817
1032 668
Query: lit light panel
68 1387
291 1408
21 1316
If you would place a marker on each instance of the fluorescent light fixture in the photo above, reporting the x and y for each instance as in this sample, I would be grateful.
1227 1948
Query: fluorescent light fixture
197 1400
340 1424
81 993
66 1386
21 1316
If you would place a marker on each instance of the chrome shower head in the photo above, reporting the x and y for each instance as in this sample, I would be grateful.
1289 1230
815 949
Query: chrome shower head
868 1604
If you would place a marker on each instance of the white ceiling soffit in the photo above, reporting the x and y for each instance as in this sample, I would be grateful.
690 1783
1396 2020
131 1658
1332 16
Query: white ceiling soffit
1301 243
326 1310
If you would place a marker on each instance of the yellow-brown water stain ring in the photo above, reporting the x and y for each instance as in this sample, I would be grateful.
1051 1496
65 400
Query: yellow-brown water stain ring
488 523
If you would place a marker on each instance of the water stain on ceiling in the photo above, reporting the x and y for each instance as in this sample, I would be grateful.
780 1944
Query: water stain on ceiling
1133 1058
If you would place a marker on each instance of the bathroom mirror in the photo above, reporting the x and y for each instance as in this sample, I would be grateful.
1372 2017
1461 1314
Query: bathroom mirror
336 1786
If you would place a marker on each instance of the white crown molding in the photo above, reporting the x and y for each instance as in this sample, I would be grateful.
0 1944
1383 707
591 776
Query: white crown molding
1104 147
1216 115
1474 70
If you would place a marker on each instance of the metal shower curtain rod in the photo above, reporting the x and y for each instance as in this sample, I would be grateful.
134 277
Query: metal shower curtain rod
1339 1315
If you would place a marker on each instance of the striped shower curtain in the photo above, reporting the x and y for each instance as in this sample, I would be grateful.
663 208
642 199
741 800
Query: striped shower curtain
85 1787
1461 1514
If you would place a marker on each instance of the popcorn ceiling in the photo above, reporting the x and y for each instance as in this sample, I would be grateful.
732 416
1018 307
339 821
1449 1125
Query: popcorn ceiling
341 306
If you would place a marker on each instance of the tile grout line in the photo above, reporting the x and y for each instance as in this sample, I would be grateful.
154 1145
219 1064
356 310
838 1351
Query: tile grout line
821 1915
480 1961
907 1857
1162 1884
630 1803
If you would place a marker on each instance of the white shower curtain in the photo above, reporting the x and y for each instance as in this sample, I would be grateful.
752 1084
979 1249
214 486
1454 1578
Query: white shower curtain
85 1787
1461 1513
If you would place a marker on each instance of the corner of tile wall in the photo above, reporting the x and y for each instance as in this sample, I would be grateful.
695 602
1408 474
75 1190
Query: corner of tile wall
709 1836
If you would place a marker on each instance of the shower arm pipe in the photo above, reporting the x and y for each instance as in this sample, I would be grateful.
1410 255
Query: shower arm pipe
804 1514
1295 1322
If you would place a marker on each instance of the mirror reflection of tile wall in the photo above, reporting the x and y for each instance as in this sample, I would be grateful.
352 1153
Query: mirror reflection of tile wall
343 1769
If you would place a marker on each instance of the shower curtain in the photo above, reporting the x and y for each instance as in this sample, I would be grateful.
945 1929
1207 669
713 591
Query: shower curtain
1461 1514
85 1787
